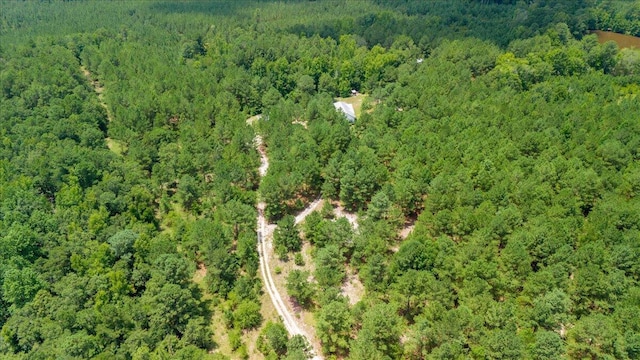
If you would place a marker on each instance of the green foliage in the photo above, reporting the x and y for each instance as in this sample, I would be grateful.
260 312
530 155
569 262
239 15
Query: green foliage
20 241
274 343
503 344
329 267
167 308
20 286
619 16
548 345
240 216
379 337
122 243
273 338
374 273
594 336
247 315
299 287
323 232
174 269
87 252
360 178
298 348
235 339
333 323
286 237
378 206
413 255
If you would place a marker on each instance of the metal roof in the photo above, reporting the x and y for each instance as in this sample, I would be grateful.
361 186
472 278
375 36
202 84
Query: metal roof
347 110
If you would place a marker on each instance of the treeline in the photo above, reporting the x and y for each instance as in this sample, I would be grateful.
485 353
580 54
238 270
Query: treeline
619 16
428 23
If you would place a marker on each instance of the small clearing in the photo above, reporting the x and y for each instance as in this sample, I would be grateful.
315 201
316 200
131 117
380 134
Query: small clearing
253 119
264 160
116 146
300 122
339 211
98 88
406 231
201 272
356 101
94 83
352 287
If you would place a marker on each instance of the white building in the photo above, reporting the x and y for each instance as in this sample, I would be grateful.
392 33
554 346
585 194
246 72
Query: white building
346 109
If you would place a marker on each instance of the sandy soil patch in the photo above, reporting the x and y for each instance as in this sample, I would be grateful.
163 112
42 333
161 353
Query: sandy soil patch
352 287
339 211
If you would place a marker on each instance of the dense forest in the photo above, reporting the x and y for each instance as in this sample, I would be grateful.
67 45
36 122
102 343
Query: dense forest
494 171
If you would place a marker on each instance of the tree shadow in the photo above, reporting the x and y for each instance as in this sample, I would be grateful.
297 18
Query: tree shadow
205 309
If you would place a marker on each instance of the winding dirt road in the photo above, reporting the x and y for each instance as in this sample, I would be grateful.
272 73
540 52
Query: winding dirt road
265 249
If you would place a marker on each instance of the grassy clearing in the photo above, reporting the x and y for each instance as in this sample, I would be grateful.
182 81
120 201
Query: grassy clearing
116 146
250 338
352 287
174 217
221 333
356 101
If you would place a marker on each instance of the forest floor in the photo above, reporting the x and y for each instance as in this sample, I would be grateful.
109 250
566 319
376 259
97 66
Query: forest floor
404 233
253 119
352 288
339 211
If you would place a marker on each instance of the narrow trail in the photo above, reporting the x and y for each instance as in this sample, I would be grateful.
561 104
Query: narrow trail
308 210
112 144
99 89
265 248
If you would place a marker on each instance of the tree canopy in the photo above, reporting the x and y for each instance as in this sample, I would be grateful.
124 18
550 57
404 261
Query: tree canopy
493 167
